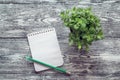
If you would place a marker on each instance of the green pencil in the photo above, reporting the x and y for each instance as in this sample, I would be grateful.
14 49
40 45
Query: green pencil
48 65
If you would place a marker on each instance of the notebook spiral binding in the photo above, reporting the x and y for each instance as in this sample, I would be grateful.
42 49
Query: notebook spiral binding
41 32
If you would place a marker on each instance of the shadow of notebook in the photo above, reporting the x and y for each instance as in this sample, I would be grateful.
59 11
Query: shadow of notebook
44 47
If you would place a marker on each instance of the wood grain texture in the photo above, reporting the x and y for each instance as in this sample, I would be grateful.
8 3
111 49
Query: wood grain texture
17 20
37 1
19 17
103 62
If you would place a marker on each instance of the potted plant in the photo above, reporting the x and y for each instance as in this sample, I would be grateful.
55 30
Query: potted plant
84 27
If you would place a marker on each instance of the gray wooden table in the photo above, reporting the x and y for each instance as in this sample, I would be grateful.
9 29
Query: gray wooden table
19 17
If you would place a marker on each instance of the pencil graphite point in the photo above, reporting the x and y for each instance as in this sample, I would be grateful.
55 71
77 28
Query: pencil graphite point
68 73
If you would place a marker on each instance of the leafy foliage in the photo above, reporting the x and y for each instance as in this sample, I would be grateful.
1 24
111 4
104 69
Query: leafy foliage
84 26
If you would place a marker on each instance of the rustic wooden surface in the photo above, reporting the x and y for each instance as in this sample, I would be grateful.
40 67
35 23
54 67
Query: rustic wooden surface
19 17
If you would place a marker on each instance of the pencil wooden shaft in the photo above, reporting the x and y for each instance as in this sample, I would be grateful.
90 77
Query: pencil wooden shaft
47 65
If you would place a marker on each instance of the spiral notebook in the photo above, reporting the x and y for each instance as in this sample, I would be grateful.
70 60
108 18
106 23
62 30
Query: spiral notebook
44 47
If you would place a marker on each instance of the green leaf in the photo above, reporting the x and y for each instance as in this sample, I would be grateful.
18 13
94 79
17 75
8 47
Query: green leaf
87 47
62 14
88 38
79 20
79 45
84 26
84 36
99 37
66 24
92 30
76 27
74 8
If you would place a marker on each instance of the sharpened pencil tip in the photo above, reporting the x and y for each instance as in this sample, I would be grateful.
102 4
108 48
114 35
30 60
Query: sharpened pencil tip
68 73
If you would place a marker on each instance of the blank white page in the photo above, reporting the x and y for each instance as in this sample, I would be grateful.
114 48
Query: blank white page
44 47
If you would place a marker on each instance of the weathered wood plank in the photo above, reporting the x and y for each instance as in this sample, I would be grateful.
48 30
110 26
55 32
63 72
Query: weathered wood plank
103 62
103 1
36 1
17 20
18 17
54 1
109 15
